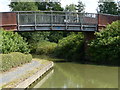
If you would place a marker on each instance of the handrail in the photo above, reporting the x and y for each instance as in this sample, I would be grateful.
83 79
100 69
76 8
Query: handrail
58 12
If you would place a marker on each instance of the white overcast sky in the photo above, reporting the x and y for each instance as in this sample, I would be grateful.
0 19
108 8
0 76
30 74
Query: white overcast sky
90 5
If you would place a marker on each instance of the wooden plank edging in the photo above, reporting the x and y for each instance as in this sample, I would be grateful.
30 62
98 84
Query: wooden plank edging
34 77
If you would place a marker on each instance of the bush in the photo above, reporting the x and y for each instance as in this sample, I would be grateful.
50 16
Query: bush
12 42
13 59
106 47
44 47
71 47
34 37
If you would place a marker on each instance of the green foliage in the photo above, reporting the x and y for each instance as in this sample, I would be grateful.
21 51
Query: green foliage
106 47
55 6
71 47
23 6
108 8
80 7
13 59
43 47
34 37
55 36
70 8
13 42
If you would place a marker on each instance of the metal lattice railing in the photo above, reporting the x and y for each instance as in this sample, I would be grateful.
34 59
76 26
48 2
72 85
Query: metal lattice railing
26 18
70 20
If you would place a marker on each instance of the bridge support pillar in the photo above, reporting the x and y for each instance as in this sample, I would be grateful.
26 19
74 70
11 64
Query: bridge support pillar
88 36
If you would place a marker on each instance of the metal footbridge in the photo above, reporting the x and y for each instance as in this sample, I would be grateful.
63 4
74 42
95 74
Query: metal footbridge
53 21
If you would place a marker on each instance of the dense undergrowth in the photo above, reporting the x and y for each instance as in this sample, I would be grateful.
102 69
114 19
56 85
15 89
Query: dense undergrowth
13 42
43 48
105 49
71 48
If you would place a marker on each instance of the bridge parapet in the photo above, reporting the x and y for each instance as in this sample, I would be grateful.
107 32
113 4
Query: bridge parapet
105 19
8 20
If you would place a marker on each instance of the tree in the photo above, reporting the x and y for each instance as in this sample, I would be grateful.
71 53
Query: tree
70 8
80 7
106 47
23 6
108 8
71 47
55 6
56 36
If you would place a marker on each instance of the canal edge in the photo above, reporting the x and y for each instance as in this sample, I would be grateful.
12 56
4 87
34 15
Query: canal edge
34 77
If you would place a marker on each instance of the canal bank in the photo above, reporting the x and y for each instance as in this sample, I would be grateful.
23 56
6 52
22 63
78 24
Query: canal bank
22 77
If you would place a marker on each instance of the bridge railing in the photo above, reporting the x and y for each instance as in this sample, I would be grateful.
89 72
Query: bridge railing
56 18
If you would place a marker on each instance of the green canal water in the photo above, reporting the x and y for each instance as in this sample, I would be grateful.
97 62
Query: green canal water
74 75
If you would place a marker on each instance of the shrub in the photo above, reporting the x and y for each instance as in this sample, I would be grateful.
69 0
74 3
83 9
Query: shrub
71 47
13 59
106 47
12 42
44 47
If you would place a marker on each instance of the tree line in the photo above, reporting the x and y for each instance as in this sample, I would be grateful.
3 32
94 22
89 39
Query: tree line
103 7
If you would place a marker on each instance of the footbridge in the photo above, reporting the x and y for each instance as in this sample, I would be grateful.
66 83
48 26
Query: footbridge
54 21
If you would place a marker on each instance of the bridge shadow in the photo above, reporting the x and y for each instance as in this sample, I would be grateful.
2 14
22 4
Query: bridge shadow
62 60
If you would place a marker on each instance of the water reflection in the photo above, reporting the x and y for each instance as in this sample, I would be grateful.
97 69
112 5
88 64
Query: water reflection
72 75
44 79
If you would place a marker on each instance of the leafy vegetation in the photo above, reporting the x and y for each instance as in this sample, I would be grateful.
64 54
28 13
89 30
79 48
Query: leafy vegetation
55 6
106 47
13 42
13 59
80 7
23 6
70 8
71 47
43 47
35 37
108 8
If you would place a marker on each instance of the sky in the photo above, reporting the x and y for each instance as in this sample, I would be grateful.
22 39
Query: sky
90 5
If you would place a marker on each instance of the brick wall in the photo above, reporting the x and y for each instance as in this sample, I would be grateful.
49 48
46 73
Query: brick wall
8 21
104 19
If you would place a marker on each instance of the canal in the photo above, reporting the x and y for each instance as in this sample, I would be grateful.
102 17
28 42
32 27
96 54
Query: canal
74 75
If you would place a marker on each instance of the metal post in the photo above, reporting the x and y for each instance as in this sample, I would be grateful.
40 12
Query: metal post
66 18
35 21
51 20
18 27
81 22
